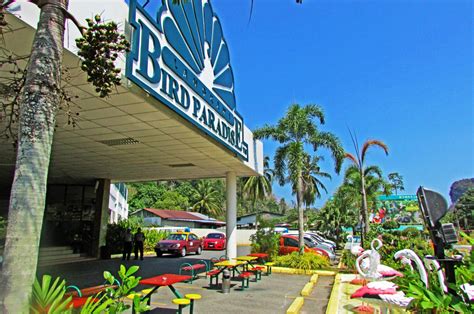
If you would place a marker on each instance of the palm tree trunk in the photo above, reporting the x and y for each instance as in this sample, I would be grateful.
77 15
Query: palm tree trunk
40 102
365 216
299 201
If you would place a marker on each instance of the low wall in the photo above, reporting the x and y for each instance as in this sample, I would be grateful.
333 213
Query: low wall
243 235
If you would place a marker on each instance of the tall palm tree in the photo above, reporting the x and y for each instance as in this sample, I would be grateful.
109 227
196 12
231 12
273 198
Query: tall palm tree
206 199
295 130
358 161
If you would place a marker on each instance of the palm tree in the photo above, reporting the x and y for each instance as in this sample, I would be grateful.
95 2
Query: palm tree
206 199
295 130
359 162
259 187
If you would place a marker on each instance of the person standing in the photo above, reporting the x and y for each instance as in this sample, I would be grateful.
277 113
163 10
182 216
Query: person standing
127 244
139 239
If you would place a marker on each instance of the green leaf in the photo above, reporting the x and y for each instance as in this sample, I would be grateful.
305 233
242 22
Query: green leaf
132 270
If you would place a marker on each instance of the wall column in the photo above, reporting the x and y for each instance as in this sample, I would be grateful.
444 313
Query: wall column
231 214
101 217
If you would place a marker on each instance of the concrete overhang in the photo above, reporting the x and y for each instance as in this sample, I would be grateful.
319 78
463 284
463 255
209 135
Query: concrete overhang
129 136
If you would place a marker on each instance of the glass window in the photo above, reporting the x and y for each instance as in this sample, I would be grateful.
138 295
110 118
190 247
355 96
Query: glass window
176 236
308 242
215 236
290 242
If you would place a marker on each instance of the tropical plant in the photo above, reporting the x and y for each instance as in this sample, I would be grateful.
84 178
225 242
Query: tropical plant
312 185
340 211
49 297
117 294
152 237
396 182
358 161
259 187
295 130
265 240
206 199
306 261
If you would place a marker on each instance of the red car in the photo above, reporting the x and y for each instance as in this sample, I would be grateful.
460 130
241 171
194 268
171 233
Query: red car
289 243
214 241
179 243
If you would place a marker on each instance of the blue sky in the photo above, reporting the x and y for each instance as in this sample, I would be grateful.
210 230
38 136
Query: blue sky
398 71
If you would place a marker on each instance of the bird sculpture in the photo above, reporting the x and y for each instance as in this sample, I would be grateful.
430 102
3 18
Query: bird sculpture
432 265
369 267
413 257
385 293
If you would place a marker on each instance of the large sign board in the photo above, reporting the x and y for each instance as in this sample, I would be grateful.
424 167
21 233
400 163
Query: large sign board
182 59
401 208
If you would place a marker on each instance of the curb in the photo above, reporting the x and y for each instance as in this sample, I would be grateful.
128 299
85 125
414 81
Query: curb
295 306
333 303
293 271
307 289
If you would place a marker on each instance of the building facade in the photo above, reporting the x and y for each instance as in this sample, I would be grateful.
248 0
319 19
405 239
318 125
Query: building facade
174 117
118 202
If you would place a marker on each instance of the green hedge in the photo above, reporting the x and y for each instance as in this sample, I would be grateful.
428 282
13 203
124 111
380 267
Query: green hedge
306 261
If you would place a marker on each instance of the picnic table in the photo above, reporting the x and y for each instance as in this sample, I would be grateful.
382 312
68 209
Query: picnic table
165 280
247 260
261 256
231 265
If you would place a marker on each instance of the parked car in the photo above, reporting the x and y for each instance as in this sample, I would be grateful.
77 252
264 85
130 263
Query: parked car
326 244
179 243
318 236
312 242
289 244
214 241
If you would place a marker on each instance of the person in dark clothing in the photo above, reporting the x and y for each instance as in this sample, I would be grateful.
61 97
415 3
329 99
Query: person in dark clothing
139 239
127 244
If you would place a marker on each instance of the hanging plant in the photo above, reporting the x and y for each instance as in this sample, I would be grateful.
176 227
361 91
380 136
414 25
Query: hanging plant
99 47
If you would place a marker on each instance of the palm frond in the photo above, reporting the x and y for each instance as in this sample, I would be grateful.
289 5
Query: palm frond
352 158
370 143
333 144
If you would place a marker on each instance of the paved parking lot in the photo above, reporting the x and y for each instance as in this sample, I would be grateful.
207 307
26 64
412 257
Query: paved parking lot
272 294
90 273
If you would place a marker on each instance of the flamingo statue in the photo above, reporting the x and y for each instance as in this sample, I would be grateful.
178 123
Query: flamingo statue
386 292
412 256
356 250
369 267
432 265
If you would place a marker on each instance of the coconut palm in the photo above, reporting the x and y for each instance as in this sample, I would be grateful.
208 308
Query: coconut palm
205 199
295 130
358 161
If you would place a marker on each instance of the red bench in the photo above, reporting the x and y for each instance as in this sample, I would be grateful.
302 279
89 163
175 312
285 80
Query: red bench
245 277
257 271
79 297
214 274
194 269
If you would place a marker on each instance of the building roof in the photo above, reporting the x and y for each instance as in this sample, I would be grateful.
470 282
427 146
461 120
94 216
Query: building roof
183 216
262 212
